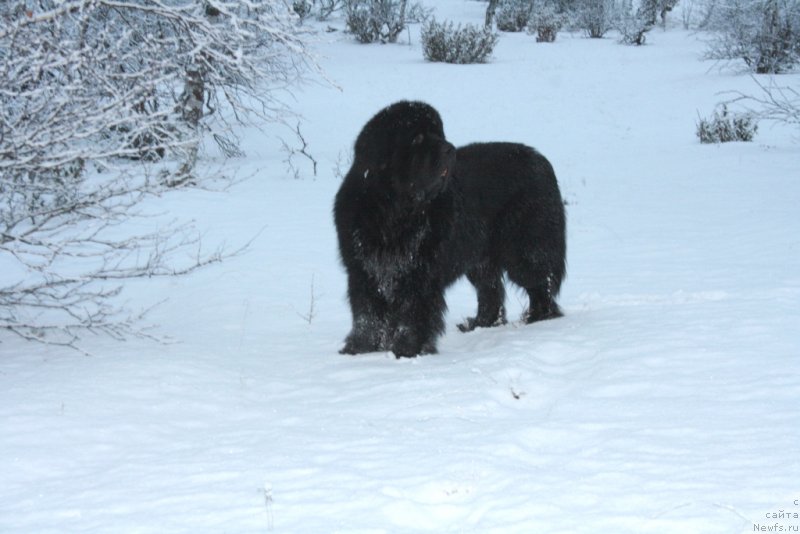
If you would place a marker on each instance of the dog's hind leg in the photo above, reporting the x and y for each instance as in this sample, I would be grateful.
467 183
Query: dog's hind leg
488 282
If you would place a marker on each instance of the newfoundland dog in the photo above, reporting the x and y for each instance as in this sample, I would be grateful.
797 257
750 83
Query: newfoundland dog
414 214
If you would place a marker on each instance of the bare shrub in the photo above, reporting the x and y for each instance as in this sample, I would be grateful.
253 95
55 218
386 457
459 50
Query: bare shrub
372 21
457 44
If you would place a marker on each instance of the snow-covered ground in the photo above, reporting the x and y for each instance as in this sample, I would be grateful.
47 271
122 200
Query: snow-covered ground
666 400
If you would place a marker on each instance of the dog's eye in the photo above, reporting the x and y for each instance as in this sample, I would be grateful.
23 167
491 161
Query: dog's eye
418 139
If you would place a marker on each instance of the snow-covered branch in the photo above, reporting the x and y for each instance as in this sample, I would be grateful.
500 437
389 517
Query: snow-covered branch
103 104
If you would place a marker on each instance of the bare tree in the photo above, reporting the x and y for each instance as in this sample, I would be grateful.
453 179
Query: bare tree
103 105
765 34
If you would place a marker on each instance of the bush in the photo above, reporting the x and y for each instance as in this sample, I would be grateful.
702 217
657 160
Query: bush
467 44
633 24
595 17
303 8
546 21
376 20
725 127
380 20
321 9
513 15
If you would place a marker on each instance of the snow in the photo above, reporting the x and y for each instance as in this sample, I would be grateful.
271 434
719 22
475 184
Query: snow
664 401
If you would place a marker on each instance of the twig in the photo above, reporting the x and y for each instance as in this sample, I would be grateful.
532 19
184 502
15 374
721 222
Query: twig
293 151
309 317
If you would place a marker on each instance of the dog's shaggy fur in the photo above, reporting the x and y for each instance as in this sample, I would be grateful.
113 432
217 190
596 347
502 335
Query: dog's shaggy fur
414 214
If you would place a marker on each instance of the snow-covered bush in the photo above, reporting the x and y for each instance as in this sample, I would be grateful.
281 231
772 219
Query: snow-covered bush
724 127
321 9
765 34
632 30
634 22
595 17
461 44
381 21
651 10
513 15
103 104
303 8
546 20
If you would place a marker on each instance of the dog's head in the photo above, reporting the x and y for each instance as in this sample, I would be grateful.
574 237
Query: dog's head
404 145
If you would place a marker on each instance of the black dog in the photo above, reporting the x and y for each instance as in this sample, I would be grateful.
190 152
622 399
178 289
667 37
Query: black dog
414 214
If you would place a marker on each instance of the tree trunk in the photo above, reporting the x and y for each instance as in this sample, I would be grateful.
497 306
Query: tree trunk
191 111
193 96
490 13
